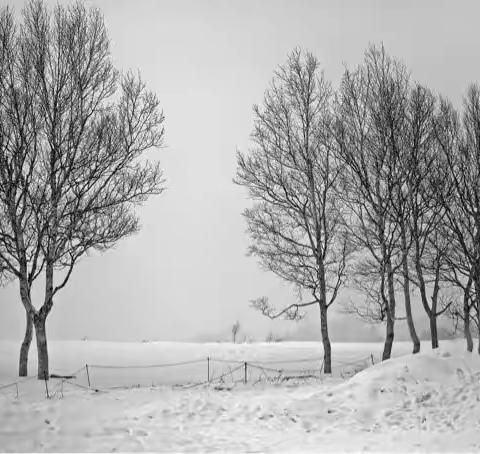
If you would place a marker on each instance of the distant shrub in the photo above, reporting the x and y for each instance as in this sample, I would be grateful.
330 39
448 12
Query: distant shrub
271 337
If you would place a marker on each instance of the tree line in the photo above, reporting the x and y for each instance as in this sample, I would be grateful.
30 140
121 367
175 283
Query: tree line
373 185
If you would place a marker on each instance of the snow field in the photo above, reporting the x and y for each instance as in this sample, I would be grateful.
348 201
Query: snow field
426 402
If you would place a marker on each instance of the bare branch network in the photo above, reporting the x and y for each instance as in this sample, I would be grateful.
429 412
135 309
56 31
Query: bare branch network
73 132
373 186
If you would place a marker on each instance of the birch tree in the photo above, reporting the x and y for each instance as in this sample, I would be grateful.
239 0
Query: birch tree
20 138
291 174
424 175
370 131
81 169
459 142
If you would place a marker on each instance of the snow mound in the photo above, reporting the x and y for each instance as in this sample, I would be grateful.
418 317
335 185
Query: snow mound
409 375
440 368
434 392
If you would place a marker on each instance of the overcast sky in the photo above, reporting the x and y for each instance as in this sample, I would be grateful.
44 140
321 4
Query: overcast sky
185 275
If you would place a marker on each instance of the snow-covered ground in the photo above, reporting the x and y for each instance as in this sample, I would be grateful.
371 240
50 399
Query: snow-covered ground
426 402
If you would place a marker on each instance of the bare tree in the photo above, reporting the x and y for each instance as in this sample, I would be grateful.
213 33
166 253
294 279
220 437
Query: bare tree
20 139
292 176
371 126
459 143
235 329
461 310
81 170
424 175
365 277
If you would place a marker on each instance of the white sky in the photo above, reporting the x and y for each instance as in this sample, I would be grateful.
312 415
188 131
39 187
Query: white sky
185 275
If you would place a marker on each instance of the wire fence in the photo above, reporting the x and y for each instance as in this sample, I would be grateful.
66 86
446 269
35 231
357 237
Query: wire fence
218 373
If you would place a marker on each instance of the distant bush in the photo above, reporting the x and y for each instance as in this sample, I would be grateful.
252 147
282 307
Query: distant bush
444 333
271 337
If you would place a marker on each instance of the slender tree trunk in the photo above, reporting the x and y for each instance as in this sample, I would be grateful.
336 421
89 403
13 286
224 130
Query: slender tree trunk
477 305
467 332
406 293
433 329
27 340
466 318
387 350
24 349
41 336
431 312
327 348
479 338
40 319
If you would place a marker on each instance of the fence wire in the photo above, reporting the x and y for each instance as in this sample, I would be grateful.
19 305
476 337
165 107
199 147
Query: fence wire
216 372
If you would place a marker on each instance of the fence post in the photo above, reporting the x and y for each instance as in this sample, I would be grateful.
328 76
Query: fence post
88 375
208 369
46 386
373 362
245 376
16 386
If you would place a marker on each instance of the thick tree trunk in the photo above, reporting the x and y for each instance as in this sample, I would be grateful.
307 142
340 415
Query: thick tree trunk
24 349
406 293
327 348
433 330
41 336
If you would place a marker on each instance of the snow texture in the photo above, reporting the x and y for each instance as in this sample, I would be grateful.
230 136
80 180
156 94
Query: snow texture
425 402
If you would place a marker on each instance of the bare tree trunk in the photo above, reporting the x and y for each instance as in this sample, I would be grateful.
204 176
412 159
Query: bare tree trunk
479 338
24 349
41 336
468 334
433 329
466 318
27 340
327 348
411 326
387 349
477 304
40 319
406 293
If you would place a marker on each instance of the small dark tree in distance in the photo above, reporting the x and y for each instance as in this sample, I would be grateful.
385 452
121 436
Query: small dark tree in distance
235 329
